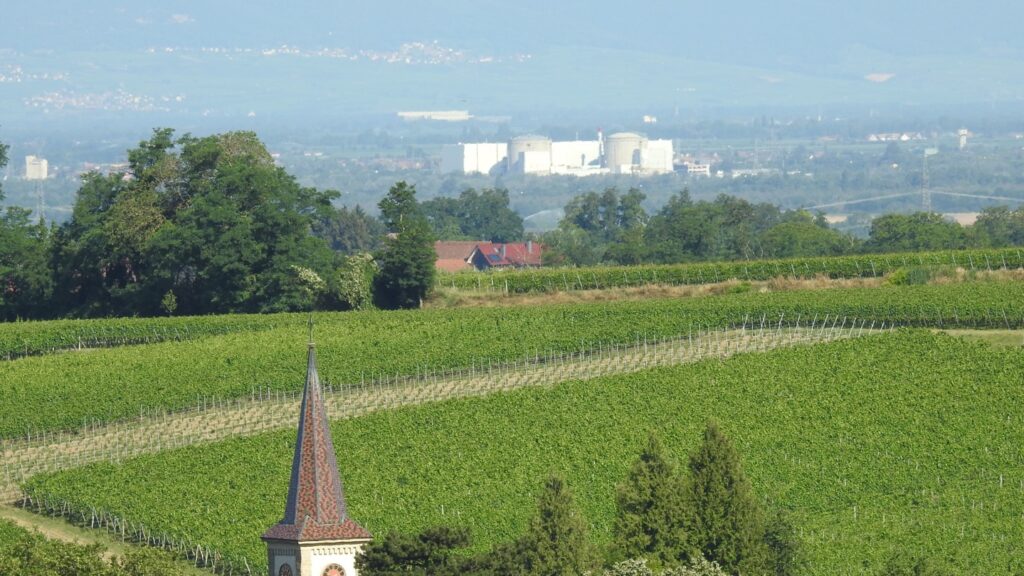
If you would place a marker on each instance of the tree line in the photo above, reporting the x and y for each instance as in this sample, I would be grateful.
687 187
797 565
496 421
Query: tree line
613 228
701 520
211 225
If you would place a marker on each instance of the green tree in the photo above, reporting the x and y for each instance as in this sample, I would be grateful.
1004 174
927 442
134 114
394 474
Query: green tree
429 553
998 227
649 509
918 231
211 220
26 284
406 263
350 231
724 519
556 540
801 235
483 215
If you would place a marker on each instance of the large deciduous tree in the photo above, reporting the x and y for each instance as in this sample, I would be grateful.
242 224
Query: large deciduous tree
210 224
483 215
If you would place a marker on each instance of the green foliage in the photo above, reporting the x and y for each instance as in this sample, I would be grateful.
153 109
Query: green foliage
602 227
911 276
249 352
355 282
919 231
349 231
24 553
650 510
723 518
169 303
998 226
211 219
556 542
25 281
784 546
483 215
427 554
406 262
875 445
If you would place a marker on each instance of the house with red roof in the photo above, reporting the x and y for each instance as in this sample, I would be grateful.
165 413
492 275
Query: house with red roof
455 256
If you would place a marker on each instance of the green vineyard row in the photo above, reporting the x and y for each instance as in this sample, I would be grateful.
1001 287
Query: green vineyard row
68 391
599 277
904 442
33 338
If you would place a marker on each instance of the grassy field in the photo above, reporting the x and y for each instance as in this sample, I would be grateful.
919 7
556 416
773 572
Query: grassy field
909 441
63 391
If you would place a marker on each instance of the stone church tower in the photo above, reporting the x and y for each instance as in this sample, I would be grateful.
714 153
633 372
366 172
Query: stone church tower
316 537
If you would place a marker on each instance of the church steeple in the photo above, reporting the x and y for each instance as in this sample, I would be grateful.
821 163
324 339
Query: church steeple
315 511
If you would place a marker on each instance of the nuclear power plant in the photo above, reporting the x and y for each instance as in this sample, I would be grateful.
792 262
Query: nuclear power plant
621 153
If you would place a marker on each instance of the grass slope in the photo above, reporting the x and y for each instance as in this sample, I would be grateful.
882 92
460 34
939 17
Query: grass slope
905 441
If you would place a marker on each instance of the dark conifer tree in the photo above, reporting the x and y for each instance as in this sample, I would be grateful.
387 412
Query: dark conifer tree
556 542
649 519
724 519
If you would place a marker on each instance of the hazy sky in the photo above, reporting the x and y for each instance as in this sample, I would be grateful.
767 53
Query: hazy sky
785 32
653 54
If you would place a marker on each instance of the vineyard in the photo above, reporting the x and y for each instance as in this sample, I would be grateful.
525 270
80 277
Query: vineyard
33 338
904 441
601 277
70 390
218 420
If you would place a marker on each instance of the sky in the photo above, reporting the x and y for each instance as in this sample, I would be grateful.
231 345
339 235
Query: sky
737 31
730 52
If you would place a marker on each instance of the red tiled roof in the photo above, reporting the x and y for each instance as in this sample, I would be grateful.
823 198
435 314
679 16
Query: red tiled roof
452 265
315 509
451 250
515 254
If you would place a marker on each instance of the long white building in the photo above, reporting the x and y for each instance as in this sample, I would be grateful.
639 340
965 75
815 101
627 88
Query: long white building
622 153
481 158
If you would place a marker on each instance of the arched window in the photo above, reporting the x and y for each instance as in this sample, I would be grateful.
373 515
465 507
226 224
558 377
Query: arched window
285 570
334 570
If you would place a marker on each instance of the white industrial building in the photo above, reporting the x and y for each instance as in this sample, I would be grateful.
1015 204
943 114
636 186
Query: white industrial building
578 157
36 168
631 153
480 158
621 153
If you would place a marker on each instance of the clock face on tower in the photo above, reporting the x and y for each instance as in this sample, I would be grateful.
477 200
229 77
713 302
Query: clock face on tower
285 570
334 570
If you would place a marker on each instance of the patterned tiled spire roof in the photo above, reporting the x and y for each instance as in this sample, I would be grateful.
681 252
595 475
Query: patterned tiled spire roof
316 503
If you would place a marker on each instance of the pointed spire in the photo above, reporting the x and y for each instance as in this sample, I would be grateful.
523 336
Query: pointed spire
315 509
